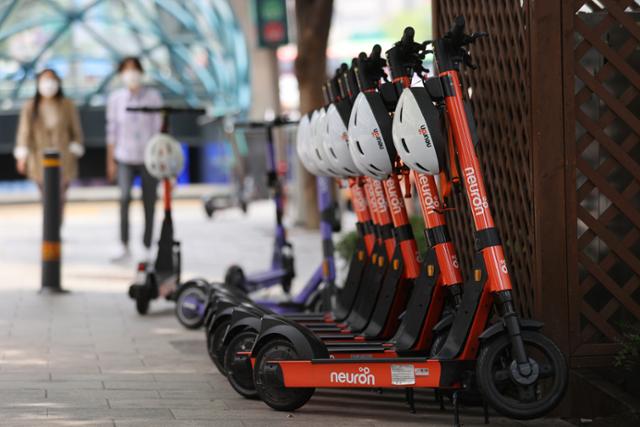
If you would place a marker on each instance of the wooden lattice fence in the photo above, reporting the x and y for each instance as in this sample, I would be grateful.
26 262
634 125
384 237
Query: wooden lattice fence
557 101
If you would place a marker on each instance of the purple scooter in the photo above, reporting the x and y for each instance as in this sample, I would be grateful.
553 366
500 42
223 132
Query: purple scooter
313 301
192 312
282 263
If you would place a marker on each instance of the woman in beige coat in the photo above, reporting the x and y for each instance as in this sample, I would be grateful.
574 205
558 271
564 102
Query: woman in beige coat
49 121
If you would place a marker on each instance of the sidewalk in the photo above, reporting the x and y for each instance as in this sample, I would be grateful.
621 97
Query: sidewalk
87 358
21 192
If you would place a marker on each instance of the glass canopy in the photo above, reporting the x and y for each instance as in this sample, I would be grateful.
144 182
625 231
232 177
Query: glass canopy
193 51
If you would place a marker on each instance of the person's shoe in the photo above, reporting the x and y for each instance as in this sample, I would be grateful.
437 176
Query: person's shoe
123 255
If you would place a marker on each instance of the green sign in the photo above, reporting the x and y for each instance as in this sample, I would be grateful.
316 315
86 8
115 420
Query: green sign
272 23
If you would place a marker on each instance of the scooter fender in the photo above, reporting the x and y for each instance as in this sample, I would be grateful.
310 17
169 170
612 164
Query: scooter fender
220 303
242 320
222 289
222 312
443 323
499 328
307 345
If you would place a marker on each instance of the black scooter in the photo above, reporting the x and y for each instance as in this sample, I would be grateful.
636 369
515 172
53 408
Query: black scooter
162 277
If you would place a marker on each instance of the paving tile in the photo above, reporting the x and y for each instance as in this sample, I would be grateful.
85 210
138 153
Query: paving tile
180 423
73 385
82 402
103 394
154 385
20 414
58 376
217 405
110 414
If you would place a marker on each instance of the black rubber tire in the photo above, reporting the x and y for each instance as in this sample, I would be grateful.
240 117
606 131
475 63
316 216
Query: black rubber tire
497 352
142 304
240 376
185 316
216 346
234 277
278 397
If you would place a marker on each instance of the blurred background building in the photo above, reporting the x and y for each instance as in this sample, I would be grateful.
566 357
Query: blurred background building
211 53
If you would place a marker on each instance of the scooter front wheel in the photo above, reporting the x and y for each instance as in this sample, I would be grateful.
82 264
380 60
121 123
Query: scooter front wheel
238 367
508 391
189 305
216 346
270 391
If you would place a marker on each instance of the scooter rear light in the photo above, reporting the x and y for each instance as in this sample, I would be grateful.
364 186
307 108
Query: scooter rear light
142 267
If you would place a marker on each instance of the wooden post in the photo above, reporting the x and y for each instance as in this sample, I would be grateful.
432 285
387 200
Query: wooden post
548 161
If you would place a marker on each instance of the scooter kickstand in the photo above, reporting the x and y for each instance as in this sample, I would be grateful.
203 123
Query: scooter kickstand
456 410
410 399
485 409
440 399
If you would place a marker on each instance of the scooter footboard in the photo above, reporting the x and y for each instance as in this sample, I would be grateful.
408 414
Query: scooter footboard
371 373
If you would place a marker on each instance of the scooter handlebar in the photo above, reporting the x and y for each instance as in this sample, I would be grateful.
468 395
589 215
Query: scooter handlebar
451 49
278 121
167 110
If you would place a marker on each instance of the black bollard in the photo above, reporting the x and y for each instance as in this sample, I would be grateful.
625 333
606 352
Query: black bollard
52 210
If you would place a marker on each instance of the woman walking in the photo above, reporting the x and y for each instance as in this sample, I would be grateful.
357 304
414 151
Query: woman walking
49 121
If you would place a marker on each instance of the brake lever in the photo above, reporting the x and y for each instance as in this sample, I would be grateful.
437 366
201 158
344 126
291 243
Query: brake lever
466 58
477 35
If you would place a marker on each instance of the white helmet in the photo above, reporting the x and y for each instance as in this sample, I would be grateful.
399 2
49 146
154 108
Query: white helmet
370 136
417 132
336 141
318 133
163 157
303 142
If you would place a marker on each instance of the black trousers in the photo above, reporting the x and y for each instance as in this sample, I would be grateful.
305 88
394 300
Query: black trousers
126 175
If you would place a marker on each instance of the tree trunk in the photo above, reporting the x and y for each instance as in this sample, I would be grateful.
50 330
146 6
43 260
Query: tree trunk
313 20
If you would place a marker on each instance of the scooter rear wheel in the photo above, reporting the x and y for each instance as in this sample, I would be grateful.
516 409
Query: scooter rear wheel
239 371
216 346
497 376
190 297
277 396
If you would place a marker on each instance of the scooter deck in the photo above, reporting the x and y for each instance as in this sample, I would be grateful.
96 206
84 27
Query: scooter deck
401 372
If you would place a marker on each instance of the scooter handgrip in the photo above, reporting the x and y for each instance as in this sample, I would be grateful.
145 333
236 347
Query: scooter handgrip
407 36
457 31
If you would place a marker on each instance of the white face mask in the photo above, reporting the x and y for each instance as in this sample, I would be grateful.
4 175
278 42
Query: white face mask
48 87
132 78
